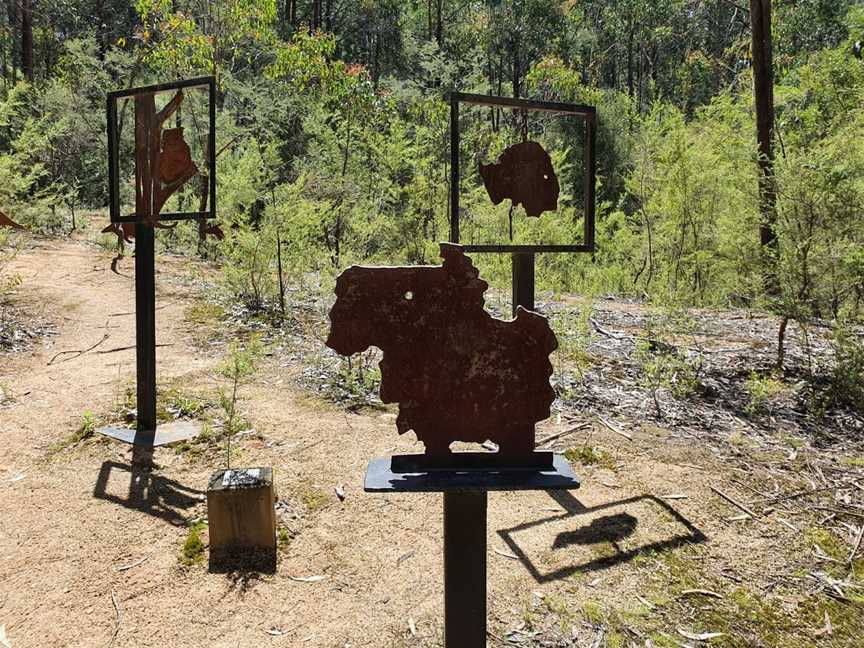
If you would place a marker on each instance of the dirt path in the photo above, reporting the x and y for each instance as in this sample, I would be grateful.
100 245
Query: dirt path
78 569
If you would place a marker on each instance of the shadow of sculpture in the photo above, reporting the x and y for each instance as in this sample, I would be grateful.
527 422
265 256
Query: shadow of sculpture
151 494
610 529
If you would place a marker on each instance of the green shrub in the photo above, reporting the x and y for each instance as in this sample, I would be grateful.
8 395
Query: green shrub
762 389
847 376
193 549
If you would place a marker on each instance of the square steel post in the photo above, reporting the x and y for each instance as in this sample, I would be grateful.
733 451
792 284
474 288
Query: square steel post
465 569
145 330
454 170
465 511
523 281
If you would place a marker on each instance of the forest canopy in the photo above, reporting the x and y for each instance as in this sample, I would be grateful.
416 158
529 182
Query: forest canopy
333 135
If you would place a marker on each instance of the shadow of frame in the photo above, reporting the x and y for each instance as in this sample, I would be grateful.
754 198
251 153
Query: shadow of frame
624 527
151 494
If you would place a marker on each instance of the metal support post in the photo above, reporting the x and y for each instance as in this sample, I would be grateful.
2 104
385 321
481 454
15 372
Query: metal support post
465 569
145 330
523 281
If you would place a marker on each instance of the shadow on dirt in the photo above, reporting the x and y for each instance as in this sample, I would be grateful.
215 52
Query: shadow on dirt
610 529
151 494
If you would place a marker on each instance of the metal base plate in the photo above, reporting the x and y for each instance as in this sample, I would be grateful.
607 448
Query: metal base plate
459 461
381 478
163 435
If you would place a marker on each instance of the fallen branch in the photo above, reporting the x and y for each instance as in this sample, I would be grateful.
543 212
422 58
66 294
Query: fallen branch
734 502
506 554
77 353
857 545
117 623
782 498
558 435
702 592
135 564
839 511
615 429
787 524
127 348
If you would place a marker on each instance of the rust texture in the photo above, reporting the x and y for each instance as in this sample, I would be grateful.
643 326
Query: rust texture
457 373
176 157
524 174
163 163
5 221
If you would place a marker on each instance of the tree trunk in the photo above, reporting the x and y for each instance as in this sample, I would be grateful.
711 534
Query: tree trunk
763 89
517 66
102 34
14 41
439 25
316 15
630 87
376 55
27 39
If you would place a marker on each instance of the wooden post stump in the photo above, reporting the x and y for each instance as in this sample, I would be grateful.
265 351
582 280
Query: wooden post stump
242 520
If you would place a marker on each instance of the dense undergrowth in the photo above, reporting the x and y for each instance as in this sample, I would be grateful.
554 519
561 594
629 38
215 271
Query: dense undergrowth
334 149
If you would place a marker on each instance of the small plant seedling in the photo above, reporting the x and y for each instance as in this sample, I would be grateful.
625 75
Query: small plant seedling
573 329
86 428
204 313
283 538
593 612
238 367
590 456
762 390
193 547
313 498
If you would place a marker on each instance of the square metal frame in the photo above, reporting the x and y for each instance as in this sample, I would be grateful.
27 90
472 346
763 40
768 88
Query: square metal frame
113 147
589 160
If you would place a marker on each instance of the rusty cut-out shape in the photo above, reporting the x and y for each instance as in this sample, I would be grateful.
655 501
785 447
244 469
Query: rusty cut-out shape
457 373
123 232
5 221
163 162
176 157
524 174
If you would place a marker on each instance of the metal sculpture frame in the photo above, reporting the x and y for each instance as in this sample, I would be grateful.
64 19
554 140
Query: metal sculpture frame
588 114
146 434
465 489
114 144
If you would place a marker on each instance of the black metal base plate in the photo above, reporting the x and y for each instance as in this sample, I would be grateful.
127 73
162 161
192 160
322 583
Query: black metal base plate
382 478
460 461
163 435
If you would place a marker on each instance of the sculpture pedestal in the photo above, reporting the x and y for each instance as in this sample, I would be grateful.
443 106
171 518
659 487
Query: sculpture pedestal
242 519
465 550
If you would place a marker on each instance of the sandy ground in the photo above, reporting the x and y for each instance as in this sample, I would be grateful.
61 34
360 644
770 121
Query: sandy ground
81 565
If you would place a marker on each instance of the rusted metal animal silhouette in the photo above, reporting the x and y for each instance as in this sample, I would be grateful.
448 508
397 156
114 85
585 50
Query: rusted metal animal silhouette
524 174
163 162
5 221
457 373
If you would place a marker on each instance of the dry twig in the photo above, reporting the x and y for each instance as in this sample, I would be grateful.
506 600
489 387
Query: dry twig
615 428
119 618
734 502
78 353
